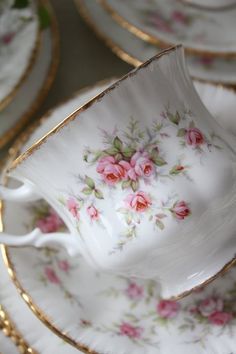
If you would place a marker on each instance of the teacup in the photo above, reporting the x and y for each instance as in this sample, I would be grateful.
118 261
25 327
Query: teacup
143 177
211 4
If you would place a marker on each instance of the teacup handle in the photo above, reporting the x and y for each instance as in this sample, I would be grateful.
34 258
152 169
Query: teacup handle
24 193
37 238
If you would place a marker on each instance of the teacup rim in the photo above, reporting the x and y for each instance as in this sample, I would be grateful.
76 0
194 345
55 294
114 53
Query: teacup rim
22 157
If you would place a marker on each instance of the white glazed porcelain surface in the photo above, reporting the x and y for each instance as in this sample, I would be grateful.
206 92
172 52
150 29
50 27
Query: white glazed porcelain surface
142 184
29 92
203 67
18 35
133 318
210 4
6 346
173 22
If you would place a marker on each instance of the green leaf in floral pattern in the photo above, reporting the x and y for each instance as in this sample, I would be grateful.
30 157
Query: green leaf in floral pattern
112 151
134 185
181 132
160 224
117 143
20 4
44 17
98 194
159 161
128 152
87 191
126 184
123 211
90 182
174 118
118 157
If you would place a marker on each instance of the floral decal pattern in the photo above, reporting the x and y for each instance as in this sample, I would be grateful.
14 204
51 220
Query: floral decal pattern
132 160
142 316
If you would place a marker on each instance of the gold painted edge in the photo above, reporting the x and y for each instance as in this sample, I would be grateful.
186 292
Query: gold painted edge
125 56
13 151
32 58
147 37
49 78
86 106
221 272
10 331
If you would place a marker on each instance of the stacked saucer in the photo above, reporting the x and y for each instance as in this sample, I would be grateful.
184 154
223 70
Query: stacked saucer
137 30
95 313
28 60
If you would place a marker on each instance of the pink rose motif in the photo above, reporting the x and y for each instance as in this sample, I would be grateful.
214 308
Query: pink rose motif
64 265
210 305
7 38
194 137
50 223
139 201
160 23
179 17
220 318
73 207
130 331
93 212
134 291
168 308
140 166
206 60
181 210
51 275
111 170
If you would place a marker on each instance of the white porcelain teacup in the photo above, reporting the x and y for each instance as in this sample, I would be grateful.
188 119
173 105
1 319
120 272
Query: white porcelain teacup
143 177
211 4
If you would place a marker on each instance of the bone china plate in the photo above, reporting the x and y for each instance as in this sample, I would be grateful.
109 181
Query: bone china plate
19 41
112 314
171 22
36 86
135 51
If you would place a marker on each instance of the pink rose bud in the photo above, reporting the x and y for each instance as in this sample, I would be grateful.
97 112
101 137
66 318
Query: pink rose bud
130 331
168 308
134 291
93 212
51 275
210 305
220 318
181 210
73 207
194 137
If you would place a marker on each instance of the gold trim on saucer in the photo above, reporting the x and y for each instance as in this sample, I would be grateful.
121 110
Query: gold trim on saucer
147 37
10 331
13 152
121 53
34 52
49 78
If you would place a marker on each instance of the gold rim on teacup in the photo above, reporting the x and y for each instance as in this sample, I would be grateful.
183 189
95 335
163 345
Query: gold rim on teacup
49 78
155 40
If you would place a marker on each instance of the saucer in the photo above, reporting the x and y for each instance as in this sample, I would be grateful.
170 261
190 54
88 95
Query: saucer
6 345
19 42
101 312
171 22
36 86
135 51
